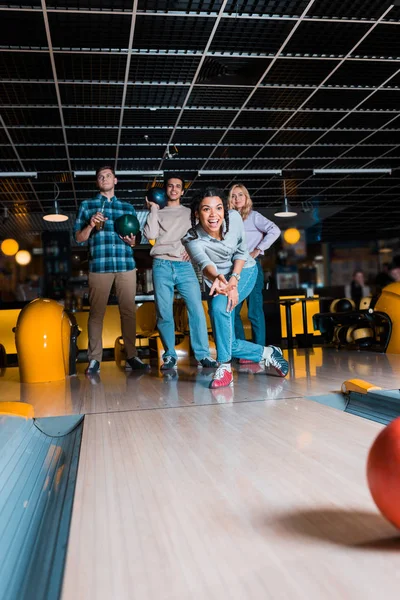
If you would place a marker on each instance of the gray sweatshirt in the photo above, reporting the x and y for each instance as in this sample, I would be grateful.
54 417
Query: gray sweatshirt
167 226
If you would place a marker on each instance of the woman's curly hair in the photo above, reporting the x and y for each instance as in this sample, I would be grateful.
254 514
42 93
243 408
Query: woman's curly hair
208 192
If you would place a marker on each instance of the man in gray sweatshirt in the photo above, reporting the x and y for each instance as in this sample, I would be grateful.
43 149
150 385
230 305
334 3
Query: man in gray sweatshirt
172 271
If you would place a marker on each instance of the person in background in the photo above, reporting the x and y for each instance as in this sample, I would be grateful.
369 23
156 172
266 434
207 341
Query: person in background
110 261
260 235
217 243
357 287
383 278
172 271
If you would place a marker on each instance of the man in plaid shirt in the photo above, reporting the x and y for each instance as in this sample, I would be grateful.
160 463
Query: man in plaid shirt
110 261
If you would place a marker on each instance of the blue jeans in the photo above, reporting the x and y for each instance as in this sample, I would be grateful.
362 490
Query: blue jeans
255 311
169 275
223 324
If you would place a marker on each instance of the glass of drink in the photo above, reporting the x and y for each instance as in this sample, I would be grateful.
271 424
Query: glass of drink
100 224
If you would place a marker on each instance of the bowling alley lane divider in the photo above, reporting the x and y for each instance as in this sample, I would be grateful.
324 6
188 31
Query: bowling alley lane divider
368 401
38 468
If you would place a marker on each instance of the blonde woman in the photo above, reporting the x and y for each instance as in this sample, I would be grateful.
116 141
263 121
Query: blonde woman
260 235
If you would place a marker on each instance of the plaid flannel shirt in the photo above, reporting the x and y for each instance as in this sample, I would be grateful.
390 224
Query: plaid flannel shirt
107 252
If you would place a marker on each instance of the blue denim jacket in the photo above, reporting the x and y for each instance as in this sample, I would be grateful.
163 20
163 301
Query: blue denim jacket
206 250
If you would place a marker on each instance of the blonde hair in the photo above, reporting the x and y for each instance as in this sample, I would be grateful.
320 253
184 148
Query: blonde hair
248 207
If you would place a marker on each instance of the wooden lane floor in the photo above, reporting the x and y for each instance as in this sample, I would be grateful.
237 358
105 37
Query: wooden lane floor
313 372
249 500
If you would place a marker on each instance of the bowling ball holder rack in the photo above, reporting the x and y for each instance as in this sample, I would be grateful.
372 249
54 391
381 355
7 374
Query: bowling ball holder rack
326 323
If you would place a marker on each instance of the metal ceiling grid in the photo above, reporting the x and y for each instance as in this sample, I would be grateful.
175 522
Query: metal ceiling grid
335 38
372 46
167 49
270 7
391 136
231 70
99 153
35 116
178 33
250 35
336 99
321 119
132 135
22 29
353 9
368 73
26 93
21 65
96 31
91 95
149 118
92 137
198 136
117 5
369 121
297 71
197 6
162 68
384 99
278 98
73 68
156 96
219 97
262 119
91 116
49 152
207 118
233 152
144 153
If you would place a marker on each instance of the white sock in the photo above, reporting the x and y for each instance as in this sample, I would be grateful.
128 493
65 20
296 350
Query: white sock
267 353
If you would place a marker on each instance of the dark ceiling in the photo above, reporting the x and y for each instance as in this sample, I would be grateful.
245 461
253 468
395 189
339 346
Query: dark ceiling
230 85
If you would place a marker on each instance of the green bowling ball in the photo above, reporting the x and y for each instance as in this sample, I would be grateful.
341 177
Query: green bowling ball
127 225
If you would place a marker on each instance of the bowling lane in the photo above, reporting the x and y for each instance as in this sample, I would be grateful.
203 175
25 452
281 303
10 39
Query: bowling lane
245 500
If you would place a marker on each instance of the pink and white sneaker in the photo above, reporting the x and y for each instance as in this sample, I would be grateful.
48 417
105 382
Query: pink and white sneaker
222 377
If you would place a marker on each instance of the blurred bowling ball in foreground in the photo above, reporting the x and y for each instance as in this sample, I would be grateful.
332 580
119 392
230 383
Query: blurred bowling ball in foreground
127 225
158 196
383 472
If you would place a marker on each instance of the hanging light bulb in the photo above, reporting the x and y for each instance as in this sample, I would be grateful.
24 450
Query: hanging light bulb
286 210
55 215
292 235
23 257
9 247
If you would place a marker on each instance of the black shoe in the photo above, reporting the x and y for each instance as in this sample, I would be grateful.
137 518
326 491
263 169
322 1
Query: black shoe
93 368
136 364
169 363
208 363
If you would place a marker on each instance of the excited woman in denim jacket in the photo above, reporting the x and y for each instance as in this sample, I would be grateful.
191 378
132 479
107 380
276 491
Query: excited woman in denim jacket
217 244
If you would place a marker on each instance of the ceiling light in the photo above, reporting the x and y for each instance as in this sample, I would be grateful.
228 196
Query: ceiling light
18 174
286 210
292 235
23 257
241 172
121 173
345 171
9 247
55 215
